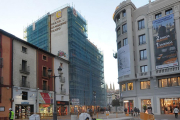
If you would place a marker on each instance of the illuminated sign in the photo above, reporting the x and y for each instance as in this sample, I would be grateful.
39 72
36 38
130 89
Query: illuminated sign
62 103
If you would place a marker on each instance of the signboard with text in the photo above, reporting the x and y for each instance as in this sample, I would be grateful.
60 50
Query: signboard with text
165 43
75 101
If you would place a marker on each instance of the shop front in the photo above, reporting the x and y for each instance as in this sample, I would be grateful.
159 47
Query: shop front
128 104
23 110
62 108
168 105
145 102
45 104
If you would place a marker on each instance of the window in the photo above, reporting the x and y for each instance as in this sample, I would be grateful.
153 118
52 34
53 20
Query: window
44 57
118 17
140 24
145 85
2 108
143 54
169 82
142 39
125 42
45 85
24 81
119 44
118 31
158 15
44 71
144 68
24 95
169 11
123 87
124 28
130 86
124 13
24 64
24 49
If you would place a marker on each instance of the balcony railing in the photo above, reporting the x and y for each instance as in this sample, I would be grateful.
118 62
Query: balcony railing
45 87
1 62
62 79
25 70
63 91
1 80
143 74
168 70
24 84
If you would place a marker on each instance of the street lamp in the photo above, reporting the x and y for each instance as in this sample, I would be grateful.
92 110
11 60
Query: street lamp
50 76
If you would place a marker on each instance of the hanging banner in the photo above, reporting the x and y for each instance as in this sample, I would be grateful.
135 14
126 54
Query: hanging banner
165 43
45 98
124 61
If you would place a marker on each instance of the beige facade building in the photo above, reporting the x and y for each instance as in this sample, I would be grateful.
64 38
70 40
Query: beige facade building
147 54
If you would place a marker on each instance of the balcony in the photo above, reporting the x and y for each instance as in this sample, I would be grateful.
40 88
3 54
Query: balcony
1 80
24 84
143 75
46 88
24 70
1 62
62 79
63 91
165 71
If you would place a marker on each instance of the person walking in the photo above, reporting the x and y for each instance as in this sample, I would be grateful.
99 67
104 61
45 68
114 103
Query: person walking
125 110
176 111
11 114
131 112
135 111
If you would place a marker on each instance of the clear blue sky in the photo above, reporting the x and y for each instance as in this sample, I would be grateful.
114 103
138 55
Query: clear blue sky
17 14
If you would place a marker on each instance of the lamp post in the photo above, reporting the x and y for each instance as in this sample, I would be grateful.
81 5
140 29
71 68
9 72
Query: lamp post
50 76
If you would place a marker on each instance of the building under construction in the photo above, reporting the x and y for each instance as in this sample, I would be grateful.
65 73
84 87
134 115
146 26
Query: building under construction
64 33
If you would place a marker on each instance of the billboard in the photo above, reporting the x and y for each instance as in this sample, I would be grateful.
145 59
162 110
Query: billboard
165 43
124 67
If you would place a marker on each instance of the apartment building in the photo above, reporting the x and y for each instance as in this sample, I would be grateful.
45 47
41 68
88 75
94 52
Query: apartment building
147 55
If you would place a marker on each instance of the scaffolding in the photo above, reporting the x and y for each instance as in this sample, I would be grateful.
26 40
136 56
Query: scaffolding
38 33
86 64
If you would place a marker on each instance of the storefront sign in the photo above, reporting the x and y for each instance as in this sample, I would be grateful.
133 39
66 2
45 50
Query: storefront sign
75 101
45 98
62 103
124 61
165 43
24 103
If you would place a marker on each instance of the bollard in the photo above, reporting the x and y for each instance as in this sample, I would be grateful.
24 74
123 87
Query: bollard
97 115
116 115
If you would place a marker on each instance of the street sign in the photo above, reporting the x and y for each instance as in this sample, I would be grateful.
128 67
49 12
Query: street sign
75 101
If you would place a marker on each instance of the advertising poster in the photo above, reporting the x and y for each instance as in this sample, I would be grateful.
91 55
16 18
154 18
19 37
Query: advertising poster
45 98
165 43
124 61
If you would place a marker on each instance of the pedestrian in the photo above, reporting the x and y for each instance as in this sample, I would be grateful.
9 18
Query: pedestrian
125 110
176 111
138 111
131 112
11 114
88 110
135 111
150 110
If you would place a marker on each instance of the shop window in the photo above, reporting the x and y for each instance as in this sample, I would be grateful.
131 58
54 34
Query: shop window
169 11
24 49
145 85
174 81
124 13
143 54
158 15
141 24
142 39
125 42
119 45
24 95
130 86
169 82
124 28
145 102
123 87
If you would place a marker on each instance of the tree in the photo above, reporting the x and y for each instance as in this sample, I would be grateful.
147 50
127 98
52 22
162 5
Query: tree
115 103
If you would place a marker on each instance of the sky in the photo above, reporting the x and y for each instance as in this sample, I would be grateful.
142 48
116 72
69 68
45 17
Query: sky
15 15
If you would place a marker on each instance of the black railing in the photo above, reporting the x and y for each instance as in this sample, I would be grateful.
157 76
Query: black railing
24 84
24 69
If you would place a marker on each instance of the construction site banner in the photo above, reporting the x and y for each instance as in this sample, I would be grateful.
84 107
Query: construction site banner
124 61
165 43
